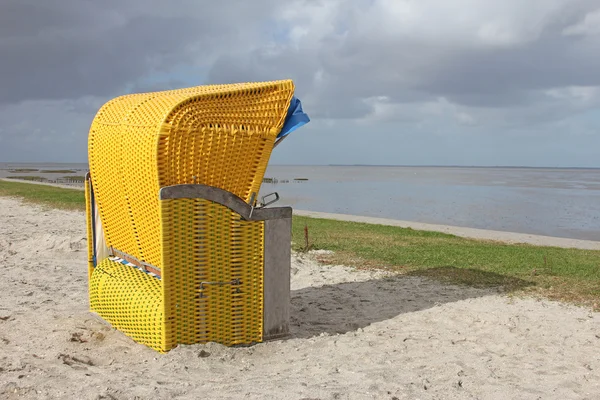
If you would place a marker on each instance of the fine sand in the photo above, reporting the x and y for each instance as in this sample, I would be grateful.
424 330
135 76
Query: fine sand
355 335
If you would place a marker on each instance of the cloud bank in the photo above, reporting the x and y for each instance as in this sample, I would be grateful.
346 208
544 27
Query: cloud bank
384 81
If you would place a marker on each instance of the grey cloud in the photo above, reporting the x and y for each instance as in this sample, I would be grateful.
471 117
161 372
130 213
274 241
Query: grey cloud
144 87
82 66
404 69
505 74
486 75
62 59
47 130
67 49
74 48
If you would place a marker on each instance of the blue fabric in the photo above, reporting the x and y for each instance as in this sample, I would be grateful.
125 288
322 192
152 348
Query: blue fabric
295 118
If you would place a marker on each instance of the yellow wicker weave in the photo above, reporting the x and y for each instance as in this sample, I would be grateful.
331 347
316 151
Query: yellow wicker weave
213 237
89 225
219 135
131 301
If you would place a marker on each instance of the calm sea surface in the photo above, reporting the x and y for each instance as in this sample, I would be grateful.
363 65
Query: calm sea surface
554 202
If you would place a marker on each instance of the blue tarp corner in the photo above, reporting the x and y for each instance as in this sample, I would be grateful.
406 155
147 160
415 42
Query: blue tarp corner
295 118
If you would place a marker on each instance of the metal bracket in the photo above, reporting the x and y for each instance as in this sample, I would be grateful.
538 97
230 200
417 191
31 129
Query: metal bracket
252 198
265 203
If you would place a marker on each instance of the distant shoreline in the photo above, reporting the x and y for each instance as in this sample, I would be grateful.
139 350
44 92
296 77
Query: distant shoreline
6 165
447 166
466 232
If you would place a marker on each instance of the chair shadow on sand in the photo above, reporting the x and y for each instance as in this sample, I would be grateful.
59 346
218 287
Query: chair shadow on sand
346 307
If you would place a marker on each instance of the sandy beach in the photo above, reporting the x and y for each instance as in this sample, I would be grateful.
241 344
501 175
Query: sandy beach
355 335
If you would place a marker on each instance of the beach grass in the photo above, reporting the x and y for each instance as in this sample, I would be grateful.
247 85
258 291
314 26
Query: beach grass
45 195
23 170
570 275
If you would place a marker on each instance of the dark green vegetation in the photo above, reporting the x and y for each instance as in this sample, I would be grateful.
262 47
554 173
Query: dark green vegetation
28 178
57 171
23 170
73 178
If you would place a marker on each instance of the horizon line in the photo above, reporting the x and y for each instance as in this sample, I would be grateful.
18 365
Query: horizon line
364 165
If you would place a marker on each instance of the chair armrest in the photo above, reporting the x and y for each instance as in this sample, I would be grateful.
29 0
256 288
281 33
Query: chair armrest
225 198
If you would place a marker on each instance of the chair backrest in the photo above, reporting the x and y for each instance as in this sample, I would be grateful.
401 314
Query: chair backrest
218 135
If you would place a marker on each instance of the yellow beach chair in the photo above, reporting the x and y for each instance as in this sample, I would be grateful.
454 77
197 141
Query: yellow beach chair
174 178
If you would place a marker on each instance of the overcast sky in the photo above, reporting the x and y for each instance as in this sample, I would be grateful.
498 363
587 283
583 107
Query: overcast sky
469 82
